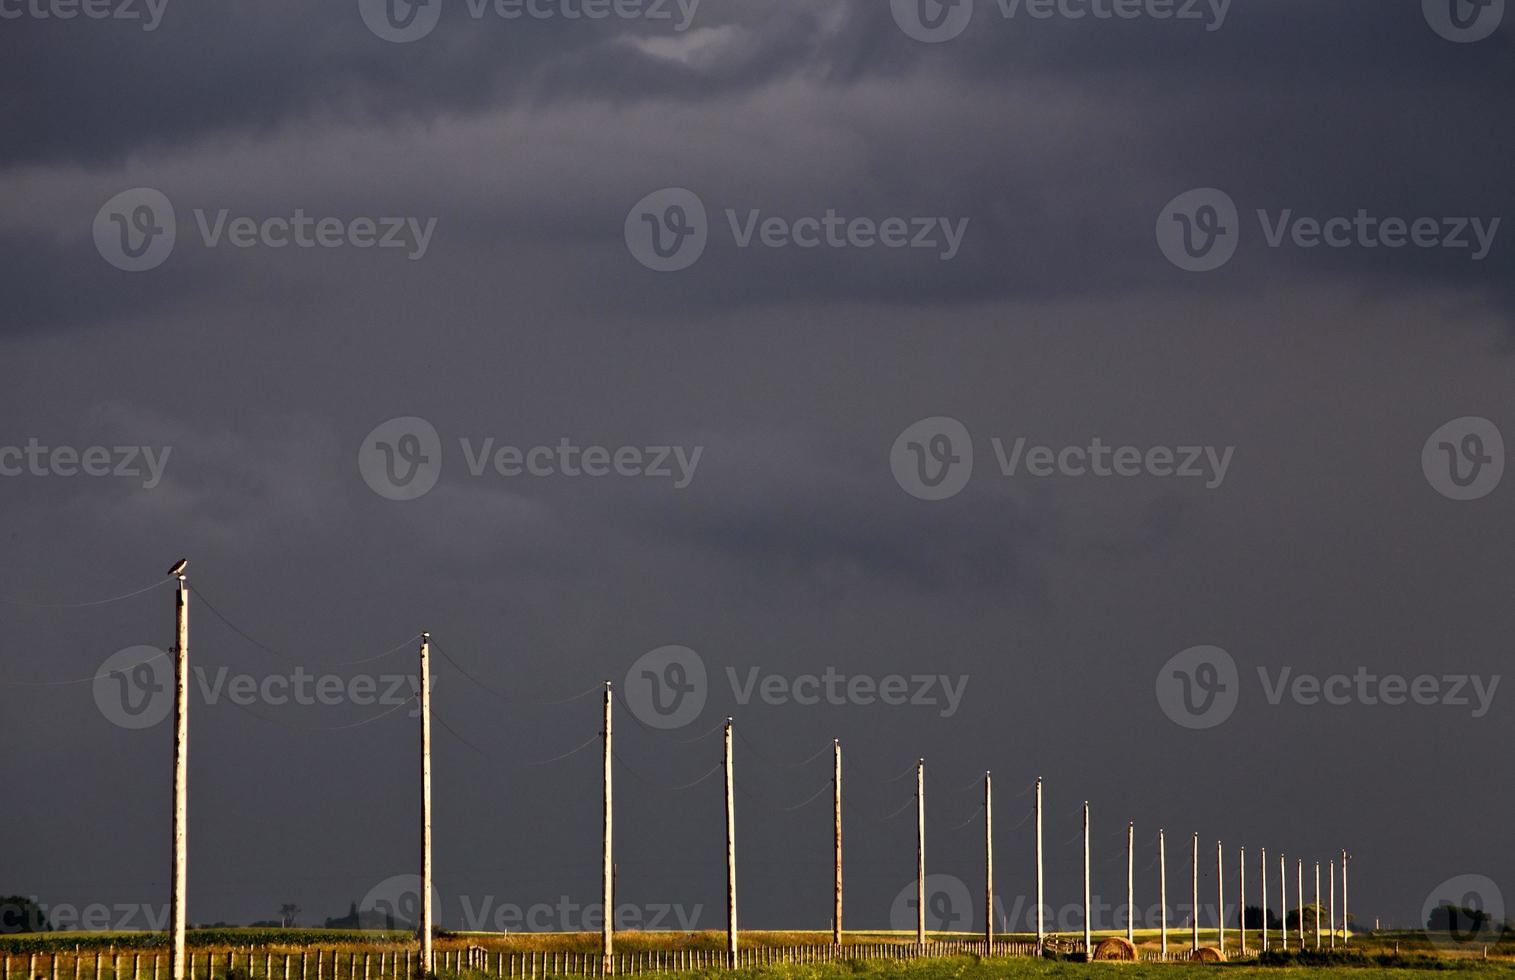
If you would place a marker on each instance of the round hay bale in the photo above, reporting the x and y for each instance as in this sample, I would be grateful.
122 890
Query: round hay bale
1115 948
1207 954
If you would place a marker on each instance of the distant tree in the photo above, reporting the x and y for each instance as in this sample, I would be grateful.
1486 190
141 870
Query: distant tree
1255 917
21 914
1458 921
287 913
1309 914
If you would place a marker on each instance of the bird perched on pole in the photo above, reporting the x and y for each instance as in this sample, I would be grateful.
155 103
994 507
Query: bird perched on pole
178 568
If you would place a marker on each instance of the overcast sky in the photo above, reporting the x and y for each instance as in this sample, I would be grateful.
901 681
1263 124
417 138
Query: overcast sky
778 492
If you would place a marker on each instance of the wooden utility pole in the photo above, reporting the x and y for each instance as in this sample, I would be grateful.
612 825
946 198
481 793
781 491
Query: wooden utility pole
1131 882
988 864
607 883
427 965
1088 926
1262 865
1283 901
1220 894
1241 884
920 852
836 839
730 856
180 869
1346 925
1299 898
1194 872
1162 881
1317 905
1041 922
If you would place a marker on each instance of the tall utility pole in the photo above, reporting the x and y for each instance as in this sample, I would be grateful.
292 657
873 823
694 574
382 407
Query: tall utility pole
836 840
1131 882
180 869
1331 872
1283 901
1088 926
1041 909
920 852
1162 882
1299 899
607 884
988 864
1241 905
426 964
730 856
1220 894
1317 905
1346 925
1194 872
1262 866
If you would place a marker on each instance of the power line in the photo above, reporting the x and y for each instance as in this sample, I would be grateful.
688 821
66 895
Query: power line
14 601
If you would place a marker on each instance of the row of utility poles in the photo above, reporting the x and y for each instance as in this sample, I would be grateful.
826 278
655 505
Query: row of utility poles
179 870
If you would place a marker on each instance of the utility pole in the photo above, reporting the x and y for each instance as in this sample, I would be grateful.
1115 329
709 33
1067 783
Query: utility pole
836 839
730 857
1262 866
988 864
180 869
1041 922
1331 873
426 964
1299 899
1088 926
1162 881
1194 872
920 852
1131 882
1241 884
1346 925
607 884
1317 905
1220 894
1283 901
